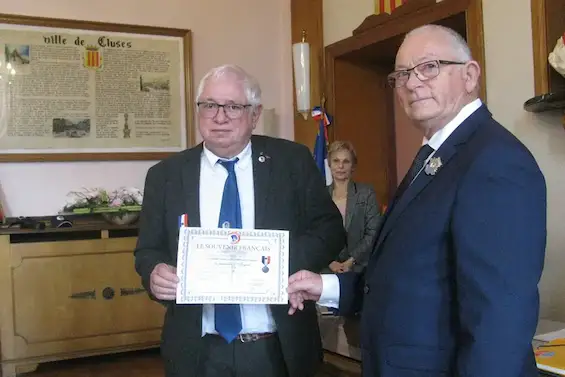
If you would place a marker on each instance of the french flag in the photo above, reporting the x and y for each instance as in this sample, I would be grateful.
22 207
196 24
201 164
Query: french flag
321 145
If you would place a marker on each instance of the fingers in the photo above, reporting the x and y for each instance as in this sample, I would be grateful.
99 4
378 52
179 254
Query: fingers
292 310
163 289
301 275
296 301
335 266
298 286
163 282
167 272
296 277
165 297
303 285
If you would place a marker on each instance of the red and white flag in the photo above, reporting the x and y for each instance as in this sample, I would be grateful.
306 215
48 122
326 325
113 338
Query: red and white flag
387 6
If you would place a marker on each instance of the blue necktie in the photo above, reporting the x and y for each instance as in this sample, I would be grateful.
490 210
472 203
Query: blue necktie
227 317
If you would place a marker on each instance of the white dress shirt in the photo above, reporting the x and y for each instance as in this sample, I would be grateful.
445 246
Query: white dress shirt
330 282
254 318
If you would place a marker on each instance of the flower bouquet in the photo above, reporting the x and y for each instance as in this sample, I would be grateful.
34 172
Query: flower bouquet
119 207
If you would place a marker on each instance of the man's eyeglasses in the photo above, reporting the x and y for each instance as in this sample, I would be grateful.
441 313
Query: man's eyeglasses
231 110
423 71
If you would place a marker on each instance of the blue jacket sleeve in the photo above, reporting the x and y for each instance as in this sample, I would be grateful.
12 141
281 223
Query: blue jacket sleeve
350 293
499 237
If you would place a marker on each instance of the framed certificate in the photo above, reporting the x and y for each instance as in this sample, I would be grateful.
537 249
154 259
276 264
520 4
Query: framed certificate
232 266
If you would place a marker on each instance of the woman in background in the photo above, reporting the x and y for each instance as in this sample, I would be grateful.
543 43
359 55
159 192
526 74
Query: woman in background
357 203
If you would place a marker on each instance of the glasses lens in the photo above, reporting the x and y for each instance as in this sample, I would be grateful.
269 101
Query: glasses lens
398 79
429 70
391 81
234 111
208 109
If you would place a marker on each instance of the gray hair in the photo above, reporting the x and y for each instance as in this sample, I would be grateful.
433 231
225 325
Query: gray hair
250 84
458 43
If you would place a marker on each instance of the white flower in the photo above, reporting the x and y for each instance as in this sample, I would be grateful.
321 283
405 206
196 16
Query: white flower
433 166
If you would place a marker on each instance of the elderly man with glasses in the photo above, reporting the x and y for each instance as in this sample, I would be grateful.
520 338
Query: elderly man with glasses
451 286
236 180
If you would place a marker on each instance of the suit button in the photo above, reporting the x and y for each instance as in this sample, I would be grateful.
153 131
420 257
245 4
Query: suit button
366 289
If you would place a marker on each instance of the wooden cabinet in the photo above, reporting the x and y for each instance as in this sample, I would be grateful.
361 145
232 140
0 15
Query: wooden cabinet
71 294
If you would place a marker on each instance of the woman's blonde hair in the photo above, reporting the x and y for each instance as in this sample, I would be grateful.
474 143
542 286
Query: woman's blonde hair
340 145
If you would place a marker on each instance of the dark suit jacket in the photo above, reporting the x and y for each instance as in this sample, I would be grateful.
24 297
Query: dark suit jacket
451 288
362 221
290 194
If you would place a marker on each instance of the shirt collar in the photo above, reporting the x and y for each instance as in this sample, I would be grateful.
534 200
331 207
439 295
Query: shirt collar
440 136
244 156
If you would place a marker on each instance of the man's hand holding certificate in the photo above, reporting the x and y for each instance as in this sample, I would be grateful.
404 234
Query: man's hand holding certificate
232 266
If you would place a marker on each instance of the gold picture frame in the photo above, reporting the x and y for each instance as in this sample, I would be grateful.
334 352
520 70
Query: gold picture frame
93 91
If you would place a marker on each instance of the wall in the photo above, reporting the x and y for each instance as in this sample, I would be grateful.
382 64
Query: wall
223 32
509 70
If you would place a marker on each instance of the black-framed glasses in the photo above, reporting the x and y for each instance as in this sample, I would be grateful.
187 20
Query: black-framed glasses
423 71
231 110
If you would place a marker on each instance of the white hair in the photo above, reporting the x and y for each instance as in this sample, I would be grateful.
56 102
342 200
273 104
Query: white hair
458 43
250 84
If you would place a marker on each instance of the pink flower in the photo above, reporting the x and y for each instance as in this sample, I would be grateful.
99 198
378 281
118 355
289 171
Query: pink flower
117 202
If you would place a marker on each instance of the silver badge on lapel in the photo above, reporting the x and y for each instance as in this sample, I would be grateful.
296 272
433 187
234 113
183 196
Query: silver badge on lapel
263 157
433 166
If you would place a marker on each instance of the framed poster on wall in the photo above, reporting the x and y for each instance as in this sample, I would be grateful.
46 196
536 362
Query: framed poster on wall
79 91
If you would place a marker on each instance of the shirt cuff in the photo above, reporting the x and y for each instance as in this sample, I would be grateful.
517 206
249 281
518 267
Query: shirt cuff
330 291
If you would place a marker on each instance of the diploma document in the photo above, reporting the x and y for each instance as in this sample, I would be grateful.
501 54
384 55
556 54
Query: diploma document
232 266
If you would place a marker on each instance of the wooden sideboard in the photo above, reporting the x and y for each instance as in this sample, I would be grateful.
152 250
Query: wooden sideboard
71 292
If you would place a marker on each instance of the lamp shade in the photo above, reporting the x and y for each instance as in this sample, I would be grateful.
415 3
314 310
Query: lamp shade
301 60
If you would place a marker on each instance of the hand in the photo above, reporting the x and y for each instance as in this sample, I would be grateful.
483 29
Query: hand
163 282
346 266
302 286
335 267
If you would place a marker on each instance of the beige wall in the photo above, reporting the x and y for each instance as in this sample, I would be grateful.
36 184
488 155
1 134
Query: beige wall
509 71
252 33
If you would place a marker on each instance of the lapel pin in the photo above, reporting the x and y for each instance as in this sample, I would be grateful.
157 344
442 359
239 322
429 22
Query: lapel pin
433 166
263 157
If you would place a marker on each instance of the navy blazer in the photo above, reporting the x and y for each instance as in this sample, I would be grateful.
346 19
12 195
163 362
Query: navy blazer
451 288
289 194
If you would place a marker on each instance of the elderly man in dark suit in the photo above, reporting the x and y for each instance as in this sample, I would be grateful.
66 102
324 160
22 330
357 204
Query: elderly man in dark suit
451 288
277 186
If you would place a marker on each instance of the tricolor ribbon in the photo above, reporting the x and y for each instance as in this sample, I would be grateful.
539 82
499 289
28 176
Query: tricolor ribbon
319 115
183 220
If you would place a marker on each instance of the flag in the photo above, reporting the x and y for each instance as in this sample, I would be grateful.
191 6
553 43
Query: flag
321 145
387 6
